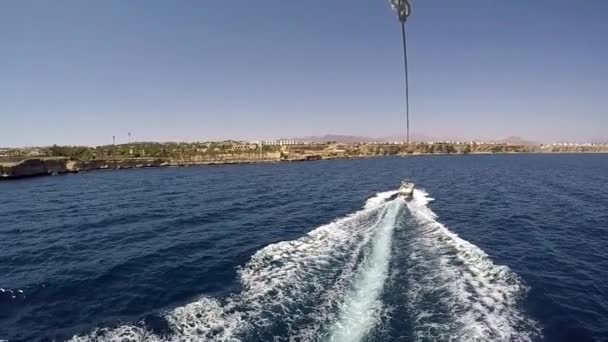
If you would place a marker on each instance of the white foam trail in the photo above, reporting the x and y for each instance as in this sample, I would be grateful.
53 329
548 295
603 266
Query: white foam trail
292 283
480 298
379 200
361 308
328 284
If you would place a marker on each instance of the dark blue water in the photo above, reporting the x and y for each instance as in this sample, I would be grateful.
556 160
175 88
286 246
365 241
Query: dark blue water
310 251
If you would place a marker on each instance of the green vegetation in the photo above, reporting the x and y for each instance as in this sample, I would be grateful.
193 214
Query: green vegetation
233 150
169 150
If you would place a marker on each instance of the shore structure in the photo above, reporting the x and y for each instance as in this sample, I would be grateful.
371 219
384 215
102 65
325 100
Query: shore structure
30 162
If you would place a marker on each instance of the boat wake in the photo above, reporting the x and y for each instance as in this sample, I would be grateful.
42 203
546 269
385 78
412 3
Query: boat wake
456 292
332 285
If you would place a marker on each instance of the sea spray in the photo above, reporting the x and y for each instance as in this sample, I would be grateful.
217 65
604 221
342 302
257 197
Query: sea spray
330 285
474 299
361 308
293 286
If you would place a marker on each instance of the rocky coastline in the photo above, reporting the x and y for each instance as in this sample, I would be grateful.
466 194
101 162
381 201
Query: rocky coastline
37 167
26 166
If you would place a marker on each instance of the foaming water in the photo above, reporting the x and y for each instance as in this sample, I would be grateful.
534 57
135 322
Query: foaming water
193 254
360 311
478 300
12 294
293 287
329 284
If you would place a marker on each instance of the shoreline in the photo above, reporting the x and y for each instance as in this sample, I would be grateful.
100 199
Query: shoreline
40 167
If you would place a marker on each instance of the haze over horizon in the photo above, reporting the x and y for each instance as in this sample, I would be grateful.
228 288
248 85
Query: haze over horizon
76 73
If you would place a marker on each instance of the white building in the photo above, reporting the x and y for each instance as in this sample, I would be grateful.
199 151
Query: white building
282 142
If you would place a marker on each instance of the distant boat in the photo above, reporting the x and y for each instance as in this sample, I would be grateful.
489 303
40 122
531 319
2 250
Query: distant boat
407 188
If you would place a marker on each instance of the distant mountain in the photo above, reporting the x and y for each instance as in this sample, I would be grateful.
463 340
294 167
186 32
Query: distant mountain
349 139
599 140
514 140
343 139
413 137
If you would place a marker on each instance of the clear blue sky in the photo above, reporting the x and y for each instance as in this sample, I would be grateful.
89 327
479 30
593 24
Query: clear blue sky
78 72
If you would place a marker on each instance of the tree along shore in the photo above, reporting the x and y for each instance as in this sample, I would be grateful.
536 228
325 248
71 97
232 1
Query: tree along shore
28 162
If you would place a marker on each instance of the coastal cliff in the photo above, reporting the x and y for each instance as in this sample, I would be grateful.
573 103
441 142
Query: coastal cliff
36 167
20 163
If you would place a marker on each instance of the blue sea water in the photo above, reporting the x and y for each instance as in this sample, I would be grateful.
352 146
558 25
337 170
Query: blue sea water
496 247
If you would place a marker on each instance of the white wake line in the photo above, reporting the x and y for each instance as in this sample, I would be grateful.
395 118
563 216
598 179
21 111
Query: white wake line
264 283
484 297
361 309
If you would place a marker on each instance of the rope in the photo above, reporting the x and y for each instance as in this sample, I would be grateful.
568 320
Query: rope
404 9
407 88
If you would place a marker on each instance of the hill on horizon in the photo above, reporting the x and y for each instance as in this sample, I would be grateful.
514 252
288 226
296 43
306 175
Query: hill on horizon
350 139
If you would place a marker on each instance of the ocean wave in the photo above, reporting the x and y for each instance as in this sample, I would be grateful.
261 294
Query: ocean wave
293 287
6 294
330 285
457 292
361 310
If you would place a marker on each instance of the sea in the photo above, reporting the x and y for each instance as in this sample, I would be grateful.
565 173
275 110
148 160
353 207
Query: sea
490 248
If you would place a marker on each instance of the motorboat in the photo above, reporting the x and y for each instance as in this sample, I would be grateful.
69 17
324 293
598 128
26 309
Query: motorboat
407 188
